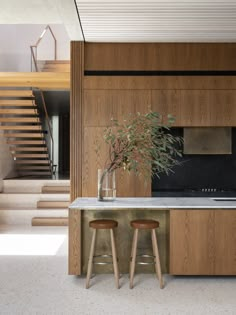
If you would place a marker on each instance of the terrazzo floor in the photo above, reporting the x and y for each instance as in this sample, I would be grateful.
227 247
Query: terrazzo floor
39 284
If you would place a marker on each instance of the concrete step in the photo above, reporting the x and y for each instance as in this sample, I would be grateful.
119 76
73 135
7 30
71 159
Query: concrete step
24 217
31 185
33 201
18 201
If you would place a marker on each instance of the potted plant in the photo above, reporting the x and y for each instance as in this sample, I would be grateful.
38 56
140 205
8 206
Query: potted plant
141 144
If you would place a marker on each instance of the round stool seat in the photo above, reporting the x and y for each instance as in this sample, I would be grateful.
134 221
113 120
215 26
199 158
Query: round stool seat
144 224
103 224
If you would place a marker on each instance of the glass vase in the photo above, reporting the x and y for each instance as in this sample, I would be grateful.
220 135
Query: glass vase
106 185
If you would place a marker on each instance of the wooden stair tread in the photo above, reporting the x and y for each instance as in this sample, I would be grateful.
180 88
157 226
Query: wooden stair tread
50 204
22 103
24 135
54 61
32 162
20 119
56 69
32 167
16 93
28 148
55 189
23 142
35 173
22 111
31 155
21 127
56 65
49 221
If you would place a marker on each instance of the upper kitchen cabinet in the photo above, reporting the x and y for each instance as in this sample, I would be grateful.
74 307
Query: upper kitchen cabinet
197 108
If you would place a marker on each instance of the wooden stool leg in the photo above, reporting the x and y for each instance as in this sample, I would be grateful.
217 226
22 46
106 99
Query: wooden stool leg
114 258
157 258
133 258
90 262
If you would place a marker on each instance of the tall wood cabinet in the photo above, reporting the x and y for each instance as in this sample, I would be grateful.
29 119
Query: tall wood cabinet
203 242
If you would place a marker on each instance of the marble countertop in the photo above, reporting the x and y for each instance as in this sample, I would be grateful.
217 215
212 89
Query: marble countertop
154 203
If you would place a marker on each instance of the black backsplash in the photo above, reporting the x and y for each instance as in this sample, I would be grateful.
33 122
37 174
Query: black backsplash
199 172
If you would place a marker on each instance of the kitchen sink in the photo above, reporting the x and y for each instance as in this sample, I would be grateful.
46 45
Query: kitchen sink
224 199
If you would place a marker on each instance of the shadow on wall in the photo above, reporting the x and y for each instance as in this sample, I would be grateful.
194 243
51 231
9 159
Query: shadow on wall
7 167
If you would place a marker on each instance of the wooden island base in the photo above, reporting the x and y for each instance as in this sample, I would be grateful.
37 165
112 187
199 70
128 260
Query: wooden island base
191 241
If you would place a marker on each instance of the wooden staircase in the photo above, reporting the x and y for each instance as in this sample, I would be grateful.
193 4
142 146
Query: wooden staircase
21 126
54 66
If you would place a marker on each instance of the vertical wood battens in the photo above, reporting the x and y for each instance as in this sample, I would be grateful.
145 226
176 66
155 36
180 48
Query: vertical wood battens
76 104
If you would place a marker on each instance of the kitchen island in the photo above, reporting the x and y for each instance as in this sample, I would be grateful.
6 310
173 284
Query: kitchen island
197 236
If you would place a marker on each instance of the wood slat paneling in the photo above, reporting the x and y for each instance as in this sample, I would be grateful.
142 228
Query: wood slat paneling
160 56
160 82
194 108
102 105
76 104
225 242
192 242
203 242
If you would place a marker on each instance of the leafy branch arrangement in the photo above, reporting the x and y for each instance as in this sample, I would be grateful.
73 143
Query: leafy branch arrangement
142 144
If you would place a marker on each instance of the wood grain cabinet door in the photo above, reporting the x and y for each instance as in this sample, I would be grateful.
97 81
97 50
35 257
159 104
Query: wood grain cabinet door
225 242
192 242
203 242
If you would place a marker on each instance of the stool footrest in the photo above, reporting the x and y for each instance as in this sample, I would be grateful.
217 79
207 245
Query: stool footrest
143 262
103 262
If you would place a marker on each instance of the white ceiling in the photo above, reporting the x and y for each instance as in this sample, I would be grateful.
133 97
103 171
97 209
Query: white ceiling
158 21
42 12
130 20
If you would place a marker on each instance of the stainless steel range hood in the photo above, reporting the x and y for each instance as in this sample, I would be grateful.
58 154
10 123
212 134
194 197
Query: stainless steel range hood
207 140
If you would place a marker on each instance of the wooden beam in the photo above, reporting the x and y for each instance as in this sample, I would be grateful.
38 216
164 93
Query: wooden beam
42 80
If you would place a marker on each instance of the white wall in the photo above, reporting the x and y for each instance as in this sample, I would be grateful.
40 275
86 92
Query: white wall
16 39
6 162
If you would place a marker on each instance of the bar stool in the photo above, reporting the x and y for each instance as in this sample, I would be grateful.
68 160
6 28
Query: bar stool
103 225
145 225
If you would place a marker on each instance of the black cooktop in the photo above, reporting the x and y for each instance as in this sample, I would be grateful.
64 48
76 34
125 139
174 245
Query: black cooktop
195 192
